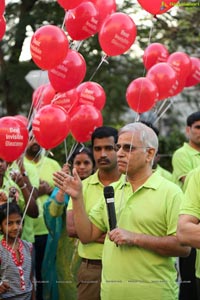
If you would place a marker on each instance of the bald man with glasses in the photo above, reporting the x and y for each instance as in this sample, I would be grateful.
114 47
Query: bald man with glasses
147 205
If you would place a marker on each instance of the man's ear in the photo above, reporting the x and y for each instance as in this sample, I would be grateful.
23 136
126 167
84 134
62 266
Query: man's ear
187 131
151 152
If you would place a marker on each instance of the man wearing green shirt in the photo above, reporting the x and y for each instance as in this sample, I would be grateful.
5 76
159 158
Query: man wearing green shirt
103 141
138 256
184 160
187 157
188 231
45 168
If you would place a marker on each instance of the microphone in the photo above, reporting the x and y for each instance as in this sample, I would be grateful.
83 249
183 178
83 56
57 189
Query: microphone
110 203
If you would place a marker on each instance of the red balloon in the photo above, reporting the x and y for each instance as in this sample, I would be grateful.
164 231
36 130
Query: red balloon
142 94
69 74
82 21
117 34
165 6
2 7
23 119
153 54
13 138
2 27
68 100
194 76
43 95
177 88
69 4
165 78
105 8
181 63
84 121
49 46
157 6
91 93
51 126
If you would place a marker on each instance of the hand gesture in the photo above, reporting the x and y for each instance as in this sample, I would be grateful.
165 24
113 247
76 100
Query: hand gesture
3 197
44 188
71 185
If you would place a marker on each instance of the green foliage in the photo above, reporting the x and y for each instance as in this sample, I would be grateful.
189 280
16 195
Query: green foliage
167 146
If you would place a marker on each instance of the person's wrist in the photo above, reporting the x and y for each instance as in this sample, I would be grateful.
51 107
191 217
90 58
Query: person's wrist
23 186
60 196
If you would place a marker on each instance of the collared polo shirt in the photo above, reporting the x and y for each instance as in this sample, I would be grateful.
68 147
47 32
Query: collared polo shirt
184 160
131 272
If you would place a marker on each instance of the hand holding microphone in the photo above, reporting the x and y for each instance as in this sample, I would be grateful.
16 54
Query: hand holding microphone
110 203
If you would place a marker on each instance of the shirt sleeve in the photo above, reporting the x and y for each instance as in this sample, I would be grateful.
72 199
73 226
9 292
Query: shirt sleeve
98 215
191 203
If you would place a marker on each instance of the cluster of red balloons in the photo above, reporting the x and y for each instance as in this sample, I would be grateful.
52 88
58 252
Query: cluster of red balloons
116 31
49 44
2 19
77 111
167 75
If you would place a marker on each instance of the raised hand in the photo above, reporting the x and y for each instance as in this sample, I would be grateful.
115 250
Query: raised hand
71 185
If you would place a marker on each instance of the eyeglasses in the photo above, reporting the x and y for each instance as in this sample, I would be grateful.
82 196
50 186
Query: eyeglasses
128 147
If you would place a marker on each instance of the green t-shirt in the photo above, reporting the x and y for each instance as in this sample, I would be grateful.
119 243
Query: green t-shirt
191 204
92 193
163 172
45 168
28 230
131 272
184 160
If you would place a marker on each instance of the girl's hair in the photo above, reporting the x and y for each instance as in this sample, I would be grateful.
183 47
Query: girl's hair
8 209
82 149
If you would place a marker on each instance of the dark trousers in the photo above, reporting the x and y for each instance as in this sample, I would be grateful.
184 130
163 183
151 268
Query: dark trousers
188 290
40 244
198 288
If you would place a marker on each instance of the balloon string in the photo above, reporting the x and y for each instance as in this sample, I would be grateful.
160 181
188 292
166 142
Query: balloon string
137 118
164 111
75 45
149 41
63 24
66 151
40 97
73 148
144 70
103 59
162 106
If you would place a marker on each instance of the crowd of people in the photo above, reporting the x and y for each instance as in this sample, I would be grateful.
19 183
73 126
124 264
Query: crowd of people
56 241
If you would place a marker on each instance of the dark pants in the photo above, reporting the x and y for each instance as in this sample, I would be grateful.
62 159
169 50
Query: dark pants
40 244
188 290
198 288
